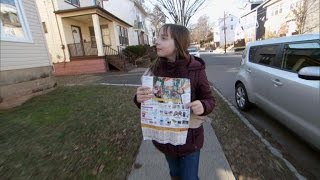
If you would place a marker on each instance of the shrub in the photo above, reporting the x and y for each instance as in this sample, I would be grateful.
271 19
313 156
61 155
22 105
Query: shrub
138 50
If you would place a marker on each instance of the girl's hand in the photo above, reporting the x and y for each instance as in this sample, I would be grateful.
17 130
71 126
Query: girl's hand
144 94
196 107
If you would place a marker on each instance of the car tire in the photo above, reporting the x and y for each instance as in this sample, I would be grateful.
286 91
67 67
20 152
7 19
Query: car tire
241 98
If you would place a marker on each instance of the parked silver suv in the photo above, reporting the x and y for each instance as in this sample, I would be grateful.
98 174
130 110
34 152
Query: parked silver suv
282 76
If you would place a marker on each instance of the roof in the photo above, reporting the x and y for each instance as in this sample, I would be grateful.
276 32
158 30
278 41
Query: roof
300 37
92 8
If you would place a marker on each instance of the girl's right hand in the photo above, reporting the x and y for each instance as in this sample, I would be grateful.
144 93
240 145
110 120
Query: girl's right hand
144 94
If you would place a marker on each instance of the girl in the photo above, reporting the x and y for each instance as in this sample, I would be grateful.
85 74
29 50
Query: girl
174 61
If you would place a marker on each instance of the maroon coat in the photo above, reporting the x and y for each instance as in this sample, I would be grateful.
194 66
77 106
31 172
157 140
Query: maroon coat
194 69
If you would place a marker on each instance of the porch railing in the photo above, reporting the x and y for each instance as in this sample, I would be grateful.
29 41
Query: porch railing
130 56
83 49
112 52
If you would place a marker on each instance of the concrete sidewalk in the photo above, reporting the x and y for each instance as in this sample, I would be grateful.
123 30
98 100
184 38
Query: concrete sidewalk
151 164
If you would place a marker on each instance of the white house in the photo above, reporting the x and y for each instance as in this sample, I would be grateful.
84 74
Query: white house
230 24
25 66
275 18
281 20
80 33
133 12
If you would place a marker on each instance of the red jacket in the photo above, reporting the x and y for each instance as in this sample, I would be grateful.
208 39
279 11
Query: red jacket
194 69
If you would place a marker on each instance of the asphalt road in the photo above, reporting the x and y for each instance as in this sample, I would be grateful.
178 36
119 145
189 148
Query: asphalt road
221 71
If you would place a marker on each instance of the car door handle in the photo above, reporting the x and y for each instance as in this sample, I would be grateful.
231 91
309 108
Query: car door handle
248 70
277 82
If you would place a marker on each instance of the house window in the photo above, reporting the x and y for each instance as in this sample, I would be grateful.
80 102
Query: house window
73 2
92 37
98 3
231 27
105 35
123 35
44 26
13 23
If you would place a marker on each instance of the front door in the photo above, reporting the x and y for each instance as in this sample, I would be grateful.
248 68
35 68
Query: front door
77 49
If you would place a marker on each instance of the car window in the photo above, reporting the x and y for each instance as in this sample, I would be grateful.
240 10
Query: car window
266 55
252 52
299 55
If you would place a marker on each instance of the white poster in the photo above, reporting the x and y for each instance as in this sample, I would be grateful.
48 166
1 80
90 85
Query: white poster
165 118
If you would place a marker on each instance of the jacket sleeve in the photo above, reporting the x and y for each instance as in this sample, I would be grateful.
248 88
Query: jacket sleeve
136 102
204 93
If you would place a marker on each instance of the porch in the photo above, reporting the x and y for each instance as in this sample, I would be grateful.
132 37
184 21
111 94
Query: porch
91 35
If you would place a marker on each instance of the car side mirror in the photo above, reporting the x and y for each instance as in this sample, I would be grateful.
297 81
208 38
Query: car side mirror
310 73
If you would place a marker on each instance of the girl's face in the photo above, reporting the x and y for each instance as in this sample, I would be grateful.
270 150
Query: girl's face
165 45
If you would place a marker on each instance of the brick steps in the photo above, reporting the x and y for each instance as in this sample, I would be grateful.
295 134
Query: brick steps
80 67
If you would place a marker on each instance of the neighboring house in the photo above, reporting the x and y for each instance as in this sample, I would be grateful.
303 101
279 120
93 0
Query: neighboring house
239 35
216 36
275 18
81 35
248 22
229 23
249 25
281 20
133 12
25 66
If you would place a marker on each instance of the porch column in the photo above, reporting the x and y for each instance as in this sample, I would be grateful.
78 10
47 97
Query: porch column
97 33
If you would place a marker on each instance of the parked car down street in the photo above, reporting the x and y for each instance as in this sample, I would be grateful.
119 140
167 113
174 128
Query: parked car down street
194 51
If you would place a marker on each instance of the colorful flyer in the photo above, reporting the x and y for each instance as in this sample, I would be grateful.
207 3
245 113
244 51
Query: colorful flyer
165 118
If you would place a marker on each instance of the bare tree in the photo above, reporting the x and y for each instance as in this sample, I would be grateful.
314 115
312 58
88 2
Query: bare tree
201 30
180 11
301 12
157 19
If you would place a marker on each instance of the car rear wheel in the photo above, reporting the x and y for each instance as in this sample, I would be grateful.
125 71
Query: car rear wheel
241 97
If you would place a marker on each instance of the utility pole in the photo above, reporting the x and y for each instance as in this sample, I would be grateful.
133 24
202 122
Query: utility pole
224 30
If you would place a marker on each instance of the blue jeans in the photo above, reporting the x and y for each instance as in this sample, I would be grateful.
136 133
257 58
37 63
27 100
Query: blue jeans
184 167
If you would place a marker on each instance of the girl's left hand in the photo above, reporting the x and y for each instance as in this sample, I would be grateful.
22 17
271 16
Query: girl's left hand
196 107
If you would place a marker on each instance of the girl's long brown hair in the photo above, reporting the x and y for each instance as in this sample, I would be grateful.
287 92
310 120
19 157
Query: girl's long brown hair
181 36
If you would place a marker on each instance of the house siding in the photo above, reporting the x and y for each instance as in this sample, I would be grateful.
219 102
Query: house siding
52 36
13 54
25 67
126 10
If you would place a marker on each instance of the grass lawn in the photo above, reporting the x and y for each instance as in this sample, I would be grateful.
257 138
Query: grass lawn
79 132
93 132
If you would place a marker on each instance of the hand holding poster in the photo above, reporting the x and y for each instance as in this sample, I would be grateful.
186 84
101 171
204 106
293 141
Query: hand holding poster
165 118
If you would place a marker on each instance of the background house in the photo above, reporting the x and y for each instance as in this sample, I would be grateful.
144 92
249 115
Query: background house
276 18
282 20
25 66
133 12
229 23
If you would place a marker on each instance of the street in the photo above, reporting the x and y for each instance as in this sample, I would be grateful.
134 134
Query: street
221 71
